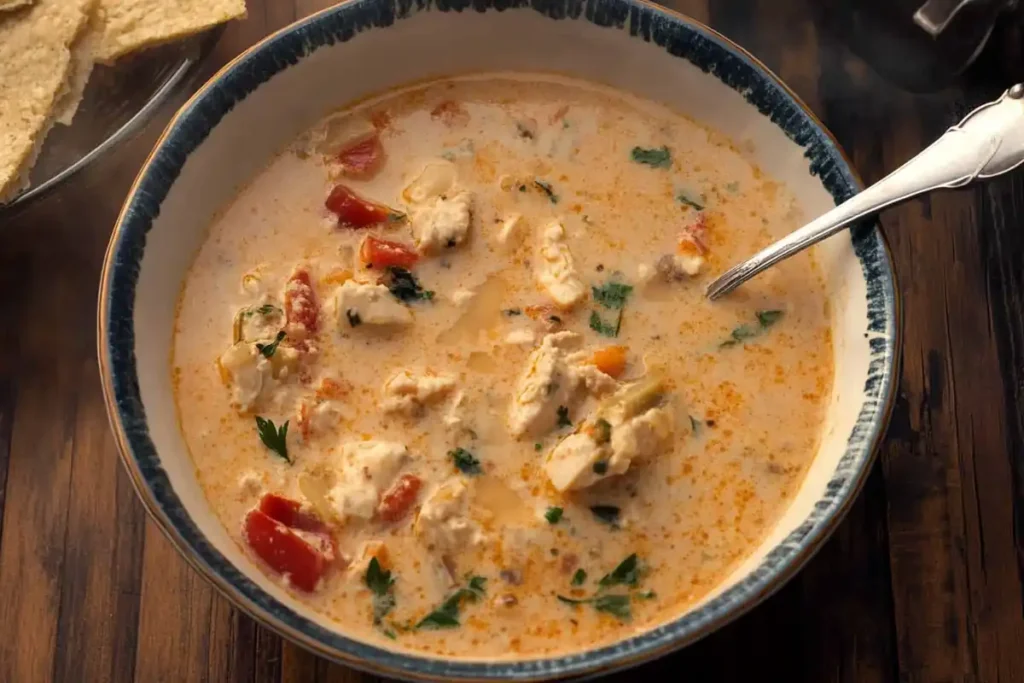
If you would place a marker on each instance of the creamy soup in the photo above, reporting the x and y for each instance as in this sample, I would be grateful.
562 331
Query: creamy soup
447 373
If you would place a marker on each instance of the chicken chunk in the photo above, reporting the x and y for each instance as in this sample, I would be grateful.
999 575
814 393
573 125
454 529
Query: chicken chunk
443 523
442 222
553 378
247 373
556 270
365 470
365 304
629 427
409 393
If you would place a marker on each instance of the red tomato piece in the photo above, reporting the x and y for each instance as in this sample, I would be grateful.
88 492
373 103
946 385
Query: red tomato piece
289 512
692 239
363 159
301 309
378 253
355 212
284 551
397 500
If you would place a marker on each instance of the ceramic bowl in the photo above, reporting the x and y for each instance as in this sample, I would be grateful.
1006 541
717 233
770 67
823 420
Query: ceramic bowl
266 97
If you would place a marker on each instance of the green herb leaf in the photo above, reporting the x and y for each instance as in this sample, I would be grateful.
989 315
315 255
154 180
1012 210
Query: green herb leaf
553 515
524 131
612 294
380 581
563 417
579 577
765 320
513 311
658 157
602 431
264 310
273 438
626 574
602 328
609 514
769 318
447 615
404 286
268 349
538 446
465 461
687 199
616 605
546 189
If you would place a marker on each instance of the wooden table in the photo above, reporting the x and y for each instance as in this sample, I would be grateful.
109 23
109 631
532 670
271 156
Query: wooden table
922 582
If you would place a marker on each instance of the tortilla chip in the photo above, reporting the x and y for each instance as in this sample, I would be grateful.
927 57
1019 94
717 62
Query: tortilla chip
14 4
130 25
35 61
83 58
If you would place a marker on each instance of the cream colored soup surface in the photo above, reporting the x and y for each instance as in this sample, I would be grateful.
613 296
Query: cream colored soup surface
520 194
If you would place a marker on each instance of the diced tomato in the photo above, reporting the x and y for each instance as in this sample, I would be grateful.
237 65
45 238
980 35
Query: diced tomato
286 552
363 159
692 239
378 253
356 212
451 113
289 512
301 309
397 500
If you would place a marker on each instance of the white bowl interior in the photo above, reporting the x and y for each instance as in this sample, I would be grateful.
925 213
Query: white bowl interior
423 47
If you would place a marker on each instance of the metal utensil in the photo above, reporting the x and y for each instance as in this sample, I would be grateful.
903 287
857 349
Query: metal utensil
987 142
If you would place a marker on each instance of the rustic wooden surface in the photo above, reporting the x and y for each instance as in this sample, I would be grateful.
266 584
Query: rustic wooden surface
922 582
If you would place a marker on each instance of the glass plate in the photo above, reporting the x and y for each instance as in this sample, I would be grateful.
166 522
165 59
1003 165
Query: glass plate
119 100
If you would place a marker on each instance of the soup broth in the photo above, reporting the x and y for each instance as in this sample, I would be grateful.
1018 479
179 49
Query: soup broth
447 373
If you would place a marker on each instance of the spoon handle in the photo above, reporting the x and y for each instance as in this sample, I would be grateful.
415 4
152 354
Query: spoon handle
987 142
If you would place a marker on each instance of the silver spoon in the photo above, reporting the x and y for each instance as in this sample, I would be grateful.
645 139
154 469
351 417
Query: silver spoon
987 142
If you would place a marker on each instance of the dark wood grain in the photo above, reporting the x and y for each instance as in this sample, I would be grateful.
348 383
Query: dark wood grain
922 582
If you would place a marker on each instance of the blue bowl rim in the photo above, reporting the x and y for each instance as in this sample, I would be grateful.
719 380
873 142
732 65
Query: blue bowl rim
116 343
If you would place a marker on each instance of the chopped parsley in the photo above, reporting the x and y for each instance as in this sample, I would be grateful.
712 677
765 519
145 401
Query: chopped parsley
579 577
609 514
602 431
447 614
465 462
274 438
765 320
614 604
538 446
353 317
768 318
510 312
553 515
597 324
546 189
600 467
380 582
563 417
524 130
404 286
268 350
655 157
612 294
626 574
687 199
